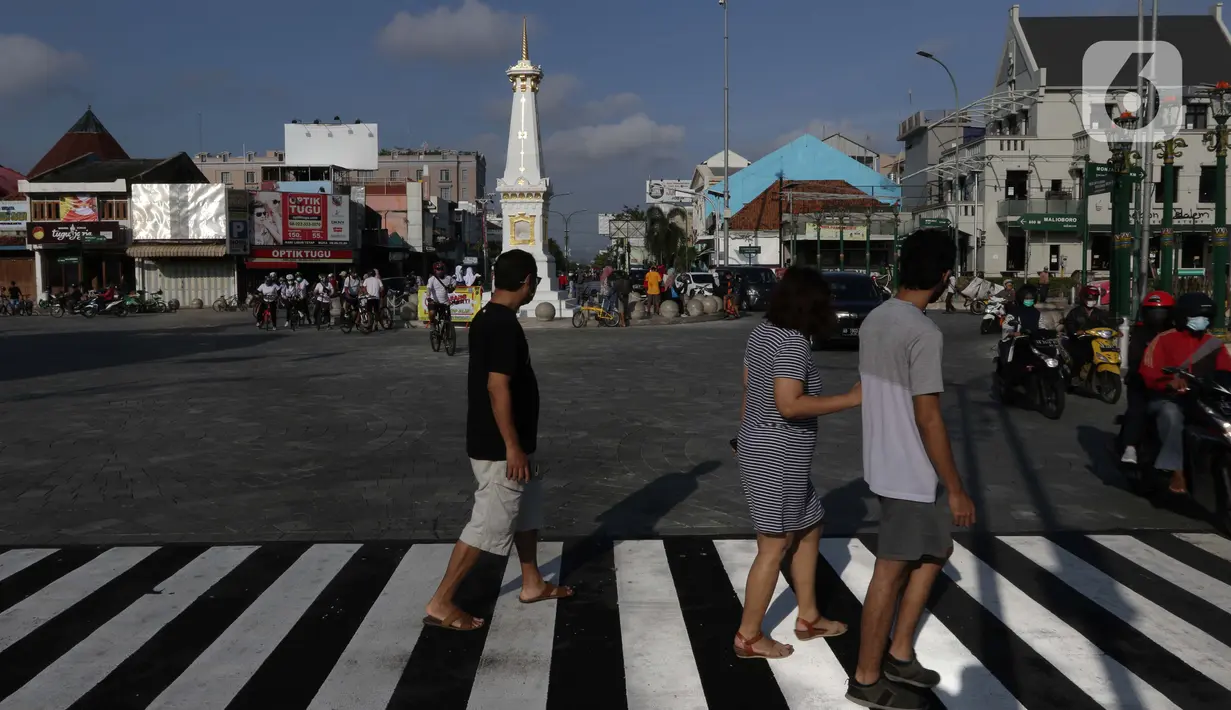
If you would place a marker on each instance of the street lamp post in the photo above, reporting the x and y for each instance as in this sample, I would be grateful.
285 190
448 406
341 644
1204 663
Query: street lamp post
1216 140
842 242
893 259
1123 160
1168 151
957 141
867 246
568 253
726 141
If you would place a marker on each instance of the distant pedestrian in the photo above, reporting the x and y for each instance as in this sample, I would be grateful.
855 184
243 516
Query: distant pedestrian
906 453
502 418
777 438
653 291
1044 285
624 288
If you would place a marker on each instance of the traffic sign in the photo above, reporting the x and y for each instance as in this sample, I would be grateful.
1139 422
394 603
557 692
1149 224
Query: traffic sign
935 222
747 251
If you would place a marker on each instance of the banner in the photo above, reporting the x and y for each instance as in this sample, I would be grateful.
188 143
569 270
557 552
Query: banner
267 218
464 302
14 214
60 233
82 208
304 255
339 219
305 217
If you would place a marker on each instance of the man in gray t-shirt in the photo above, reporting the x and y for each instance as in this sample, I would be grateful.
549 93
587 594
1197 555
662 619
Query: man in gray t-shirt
906 454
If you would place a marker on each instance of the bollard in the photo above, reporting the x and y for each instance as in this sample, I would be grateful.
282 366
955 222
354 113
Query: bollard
1124 348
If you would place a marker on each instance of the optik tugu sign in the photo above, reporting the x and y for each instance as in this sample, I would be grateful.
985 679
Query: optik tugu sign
73 233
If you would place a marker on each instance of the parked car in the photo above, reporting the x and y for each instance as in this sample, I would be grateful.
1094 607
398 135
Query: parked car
853 297
636 278
759 283
700 282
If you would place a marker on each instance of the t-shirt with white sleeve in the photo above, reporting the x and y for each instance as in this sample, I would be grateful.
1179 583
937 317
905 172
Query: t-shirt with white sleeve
900 354
373 286
267 290
436 291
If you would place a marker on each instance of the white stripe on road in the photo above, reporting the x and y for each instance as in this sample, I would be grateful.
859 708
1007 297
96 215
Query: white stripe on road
964 681
72 675
813 678
368 671
516 662
15 561
1170 569
659 670
1102 678
219 673
1211 543
1185 641
36 610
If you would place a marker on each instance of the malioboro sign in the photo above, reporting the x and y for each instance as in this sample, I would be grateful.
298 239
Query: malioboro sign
1050 222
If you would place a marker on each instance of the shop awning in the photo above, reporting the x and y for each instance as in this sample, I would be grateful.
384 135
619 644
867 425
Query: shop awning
177 251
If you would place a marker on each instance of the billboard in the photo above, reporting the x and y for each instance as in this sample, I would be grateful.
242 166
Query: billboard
14 214
80 208
178 213
668 192
299 218
305 215
339 219
239 223
107 233
267 218
354 146
604 224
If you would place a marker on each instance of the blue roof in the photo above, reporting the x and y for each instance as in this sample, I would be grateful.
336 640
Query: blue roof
805 158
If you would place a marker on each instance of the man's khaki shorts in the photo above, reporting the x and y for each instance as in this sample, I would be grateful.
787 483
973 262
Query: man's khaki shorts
502 507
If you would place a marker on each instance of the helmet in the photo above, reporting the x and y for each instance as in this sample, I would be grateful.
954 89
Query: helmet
438 266
1156 310
1091 293
321 277
1192 305
272 275
298 275
342 272
1158 299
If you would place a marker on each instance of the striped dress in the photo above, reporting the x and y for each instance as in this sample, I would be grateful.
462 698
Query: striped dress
775 454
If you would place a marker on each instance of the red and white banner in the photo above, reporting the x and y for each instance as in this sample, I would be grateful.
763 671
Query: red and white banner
290 254
306 216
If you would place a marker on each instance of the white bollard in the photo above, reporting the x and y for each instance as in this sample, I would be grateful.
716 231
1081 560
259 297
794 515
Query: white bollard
1124 328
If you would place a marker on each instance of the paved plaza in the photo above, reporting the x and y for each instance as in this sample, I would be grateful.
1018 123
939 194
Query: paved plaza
197 427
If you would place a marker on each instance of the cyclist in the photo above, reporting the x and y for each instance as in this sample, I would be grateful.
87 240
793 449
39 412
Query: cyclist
373 290
323 292
269 300
437 293
289 293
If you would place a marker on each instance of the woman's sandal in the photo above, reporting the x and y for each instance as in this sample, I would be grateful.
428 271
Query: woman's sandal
812 632
744 649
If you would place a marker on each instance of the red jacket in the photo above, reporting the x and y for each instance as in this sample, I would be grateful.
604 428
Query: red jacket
1172 348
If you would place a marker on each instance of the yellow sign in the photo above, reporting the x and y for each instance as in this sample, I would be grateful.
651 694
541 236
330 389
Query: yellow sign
850 233
523 230
464 303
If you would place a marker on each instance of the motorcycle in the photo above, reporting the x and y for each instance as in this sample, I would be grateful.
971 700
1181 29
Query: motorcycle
1036 367
115 307
1100 375
993 315
1207 444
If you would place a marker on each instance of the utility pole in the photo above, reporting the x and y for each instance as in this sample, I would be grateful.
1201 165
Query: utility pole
1147 185
1168 150
1124 158
726 140
1216 140
568 253
957 144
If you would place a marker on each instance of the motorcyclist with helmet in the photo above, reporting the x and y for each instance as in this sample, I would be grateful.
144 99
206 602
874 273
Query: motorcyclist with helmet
1188 346
1155 317
1084 316
1020 318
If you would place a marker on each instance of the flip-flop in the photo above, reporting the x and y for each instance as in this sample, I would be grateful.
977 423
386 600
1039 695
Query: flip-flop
550 592
447 622
744 650
812 632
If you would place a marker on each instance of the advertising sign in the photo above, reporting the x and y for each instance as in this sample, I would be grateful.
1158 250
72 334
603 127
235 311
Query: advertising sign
82 208
308 255
849 233
668 192
1100 179
464 302
267 218
237 237
1050 222
61 233
178 213
305 217
14 214
935 222
339 219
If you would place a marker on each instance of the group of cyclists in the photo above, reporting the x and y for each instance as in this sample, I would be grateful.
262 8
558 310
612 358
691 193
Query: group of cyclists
295 294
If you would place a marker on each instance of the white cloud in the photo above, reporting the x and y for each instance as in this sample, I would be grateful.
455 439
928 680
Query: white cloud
612 107
27 62
474 30
635 136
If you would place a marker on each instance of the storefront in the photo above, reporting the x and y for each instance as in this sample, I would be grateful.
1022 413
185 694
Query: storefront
185 271
87 253
16 260
311 262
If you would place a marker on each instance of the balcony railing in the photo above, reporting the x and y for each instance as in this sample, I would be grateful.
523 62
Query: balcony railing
1017 208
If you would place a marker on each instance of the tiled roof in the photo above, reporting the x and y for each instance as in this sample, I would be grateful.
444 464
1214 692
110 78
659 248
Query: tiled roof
90 169
1059 44
762 213
8 181
85 137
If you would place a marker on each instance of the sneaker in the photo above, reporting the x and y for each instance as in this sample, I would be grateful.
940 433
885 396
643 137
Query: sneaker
1130 455
910 673
883 695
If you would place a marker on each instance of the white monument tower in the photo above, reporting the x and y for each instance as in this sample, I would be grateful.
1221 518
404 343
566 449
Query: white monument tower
525 192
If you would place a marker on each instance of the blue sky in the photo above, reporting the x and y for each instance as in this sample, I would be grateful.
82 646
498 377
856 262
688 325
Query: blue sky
632 90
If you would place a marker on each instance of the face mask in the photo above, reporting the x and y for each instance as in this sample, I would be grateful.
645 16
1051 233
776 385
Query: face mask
1091 304
1198 324
1028 303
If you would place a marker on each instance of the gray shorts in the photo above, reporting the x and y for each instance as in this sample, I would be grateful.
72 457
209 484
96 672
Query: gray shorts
502 507
911 531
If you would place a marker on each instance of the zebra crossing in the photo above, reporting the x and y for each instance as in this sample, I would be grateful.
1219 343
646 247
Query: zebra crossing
1052 622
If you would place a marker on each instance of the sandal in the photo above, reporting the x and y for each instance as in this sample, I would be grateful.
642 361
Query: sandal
744 649
468 622
812 632
550 592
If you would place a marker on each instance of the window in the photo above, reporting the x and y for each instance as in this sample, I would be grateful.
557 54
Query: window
419 175
224 178
1205 188
1196 116
465 192
115 209
45 210
395 174
465 175
444 176
1057 185
864 159
446 193
249 177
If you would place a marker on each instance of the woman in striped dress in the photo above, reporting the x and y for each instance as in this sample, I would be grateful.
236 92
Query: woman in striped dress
777 435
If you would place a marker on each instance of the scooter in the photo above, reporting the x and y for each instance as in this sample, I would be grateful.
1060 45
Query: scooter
993 315
1037 368
1100 375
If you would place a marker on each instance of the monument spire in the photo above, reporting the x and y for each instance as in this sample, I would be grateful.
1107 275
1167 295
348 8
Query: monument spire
525 41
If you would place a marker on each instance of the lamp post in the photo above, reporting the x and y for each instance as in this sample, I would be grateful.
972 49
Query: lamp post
893 259
842 242
867 246
568 253
957 139
726 140
1216 140
1168 150
1123 160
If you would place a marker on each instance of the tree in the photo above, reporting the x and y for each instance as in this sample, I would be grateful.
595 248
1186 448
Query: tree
635 214
562 264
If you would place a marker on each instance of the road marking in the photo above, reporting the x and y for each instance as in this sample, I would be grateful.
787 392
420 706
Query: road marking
1169 568
36 610
15 561
62 683
1211 543
220 672
660 672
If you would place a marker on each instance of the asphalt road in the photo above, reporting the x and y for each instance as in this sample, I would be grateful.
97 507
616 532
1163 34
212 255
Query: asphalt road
197 427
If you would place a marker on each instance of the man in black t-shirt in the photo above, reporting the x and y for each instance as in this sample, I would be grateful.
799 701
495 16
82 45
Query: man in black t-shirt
502 419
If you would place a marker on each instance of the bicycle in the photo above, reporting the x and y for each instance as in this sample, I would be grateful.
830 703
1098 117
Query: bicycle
605 318
269 315
294 314
323 317
443 333
366 318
